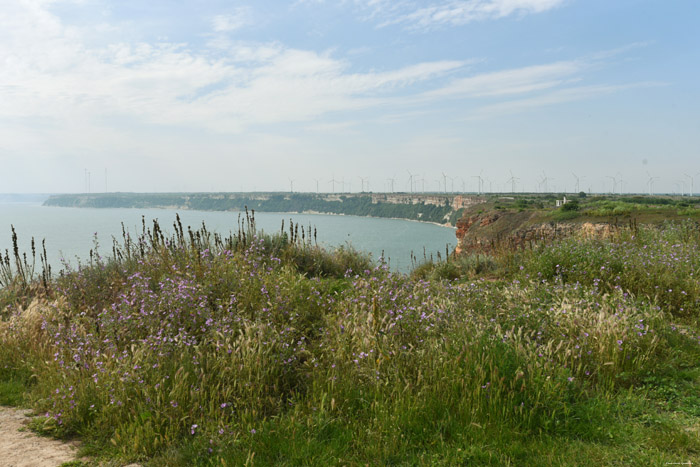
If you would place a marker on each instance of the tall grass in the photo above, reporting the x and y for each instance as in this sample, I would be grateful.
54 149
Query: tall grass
191 348
661 265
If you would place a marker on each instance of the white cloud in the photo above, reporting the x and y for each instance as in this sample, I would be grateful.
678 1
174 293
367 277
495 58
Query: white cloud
510 82
457 13
239 18
52 73
429 15
557 97
64 99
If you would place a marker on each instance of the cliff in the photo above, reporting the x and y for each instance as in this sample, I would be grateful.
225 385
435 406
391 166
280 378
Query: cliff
517 221
437 208
484 232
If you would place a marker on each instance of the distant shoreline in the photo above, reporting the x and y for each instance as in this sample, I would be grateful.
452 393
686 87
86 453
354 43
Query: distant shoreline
440 210
448 226
185 208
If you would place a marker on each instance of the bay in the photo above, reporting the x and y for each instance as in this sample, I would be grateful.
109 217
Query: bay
70 233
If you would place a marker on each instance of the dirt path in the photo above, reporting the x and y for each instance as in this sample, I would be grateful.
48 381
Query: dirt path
24 448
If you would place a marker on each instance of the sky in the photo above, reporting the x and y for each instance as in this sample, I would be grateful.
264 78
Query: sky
214 95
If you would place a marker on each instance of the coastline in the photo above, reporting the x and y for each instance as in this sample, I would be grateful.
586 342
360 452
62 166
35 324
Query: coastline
372 217
185 208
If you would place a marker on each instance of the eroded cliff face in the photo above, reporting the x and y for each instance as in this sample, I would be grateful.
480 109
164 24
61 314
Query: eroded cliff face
483 232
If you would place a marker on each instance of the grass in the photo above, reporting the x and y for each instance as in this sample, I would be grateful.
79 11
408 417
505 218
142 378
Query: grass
661 265
464 266
12 392
192 349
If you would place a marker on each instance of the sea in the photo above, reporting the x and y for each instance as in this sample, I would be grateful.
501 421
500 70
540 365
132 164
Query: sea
70 233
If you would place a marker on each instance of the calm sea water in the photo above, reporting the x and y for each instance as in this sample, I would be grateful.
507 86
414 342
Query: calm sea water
69 232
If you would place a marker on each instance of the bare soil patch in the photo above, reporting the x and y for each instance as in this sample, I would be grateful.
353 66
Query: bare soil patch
19 447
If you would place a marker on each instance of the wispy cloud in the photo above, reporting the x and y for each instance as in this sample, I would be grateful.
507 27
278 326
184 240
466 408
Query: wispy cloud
460 12
240 17
422 15
556 97
519 89
51 72
54 73
511 82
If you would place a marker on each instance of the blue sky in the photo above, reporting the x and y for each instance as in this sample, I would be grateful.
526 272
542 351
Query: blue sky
237 96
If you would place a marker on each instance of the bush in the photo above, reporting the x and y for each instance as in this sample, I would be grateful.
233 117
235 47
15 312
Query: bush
461 267
571 205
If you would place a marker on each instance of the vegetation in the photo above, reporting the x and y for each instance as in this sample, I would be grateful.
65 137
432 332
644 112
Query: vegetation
572 205
193 349
507 218
349 204
435 207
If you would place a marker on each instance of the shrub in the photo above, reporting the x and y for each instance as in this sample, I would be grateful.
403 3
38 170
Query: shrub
572 205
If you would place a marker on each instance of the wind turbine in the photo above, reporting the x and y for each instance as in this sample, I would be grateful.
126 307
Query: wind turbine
692 179
544 182
614 180
650 183
333 181
316 184
391 182
452 184
362 180
679 189
464 185
622 182
410 179
512 181
480 181
577 182
444 181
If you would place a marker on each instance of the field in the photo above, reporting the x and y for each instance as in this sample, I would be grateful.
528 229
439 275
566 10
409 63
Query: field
187 348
